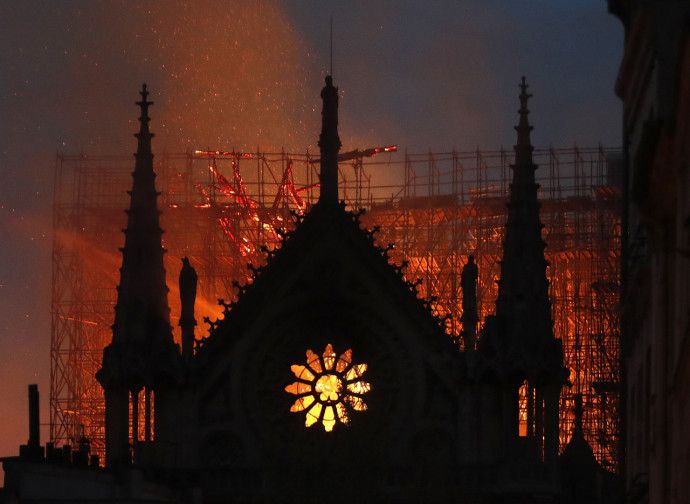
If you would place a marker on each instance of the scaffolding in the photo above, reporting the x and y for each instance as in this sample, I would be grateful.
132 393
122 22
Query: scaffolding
222 210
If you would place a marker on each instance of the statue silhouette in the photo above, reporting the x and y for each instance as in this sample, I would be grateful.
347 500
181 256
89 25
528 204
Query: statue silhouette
188 281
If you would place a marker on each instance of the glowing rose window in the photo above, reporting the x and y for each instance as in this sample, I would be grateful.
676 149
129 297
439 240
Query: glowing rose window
328 388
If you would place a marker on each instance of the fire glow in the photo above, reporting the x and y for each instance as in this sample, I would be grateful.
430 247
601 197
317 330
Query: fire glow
213 225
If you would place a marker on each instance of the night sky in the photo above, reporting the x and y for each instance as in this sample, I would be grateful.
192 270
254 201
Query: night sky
240 74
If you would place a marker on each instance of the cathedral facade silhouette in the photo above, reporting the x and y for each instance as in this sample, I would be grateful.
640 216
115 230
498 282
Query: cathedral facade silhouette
329 378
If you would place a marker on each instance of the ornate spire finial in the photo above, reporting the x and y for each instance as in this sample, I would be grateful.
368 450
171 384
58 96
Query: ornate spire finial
144 134
329 143
144 103
523 103
523 86
523 149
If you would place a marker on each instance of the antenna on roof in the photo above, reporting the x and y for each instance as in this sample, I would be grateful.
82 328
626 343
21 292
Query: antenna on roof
331 74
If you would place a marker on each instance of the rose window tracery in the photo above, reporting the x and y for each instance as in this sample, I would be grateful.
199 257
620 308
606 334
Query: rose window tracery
328 388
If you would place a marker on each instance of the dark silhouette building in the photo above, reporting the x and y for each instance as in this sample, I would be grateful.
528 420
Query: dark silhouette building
328 377
654 86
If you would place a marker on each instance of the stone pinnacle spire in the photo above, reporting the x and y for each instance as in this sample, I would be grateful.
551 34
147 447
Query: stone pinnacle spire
519 339
142 276
142 315
523 299
329 143
142 354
